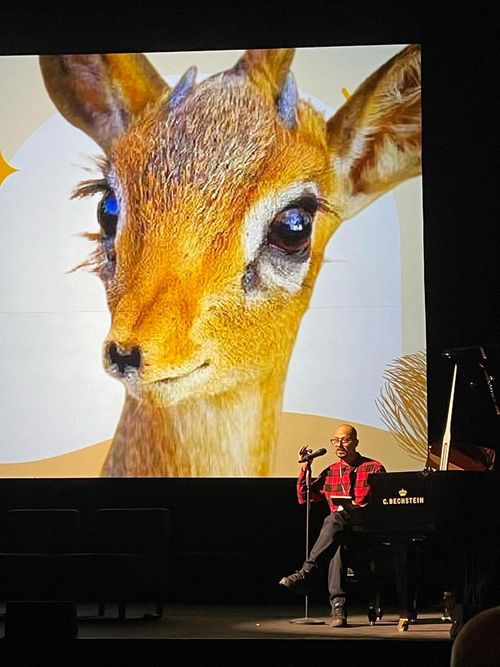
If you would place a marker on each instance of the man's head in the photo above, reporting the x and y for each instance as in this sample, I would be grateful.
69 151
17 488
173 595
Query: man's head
478 642
344 441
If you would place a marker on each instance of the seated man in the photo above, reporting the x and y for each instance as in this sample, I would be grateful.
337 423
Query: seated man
346 477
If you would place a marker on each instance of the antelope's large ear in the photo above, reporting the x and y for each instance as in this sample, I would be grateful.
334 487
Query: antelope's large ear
101 93
375 137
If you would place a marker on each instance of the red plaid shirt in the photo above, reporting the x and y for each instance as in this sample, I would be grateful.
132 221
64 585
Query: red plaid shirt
341 479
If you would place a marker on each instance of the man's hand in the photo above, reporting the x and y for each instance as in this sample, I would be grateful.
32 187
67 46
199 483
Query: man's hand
303 452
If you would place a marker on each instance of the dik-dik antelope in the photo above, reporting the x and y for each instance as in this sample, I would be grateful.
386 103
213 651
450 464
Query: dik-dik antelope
217 202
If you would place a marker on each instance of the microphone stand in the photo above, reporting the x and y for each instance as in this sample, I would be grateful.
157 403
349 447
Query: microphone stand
306 620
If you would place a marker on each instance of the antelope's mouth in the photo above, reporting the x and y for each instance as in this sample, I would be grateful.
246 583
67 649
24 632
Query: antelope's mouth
179 376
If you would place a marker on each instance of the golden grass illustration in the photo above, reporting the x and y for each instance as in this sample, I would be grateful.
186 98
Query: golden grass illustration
403 403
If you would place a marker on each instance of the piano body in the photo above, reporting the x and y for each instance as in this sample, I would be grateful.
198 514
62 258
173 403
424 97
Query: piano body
445 509
454 503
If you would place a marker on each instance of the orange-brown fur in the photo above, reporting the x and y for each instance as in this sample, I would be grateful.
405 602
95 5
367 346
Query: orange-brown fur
189 176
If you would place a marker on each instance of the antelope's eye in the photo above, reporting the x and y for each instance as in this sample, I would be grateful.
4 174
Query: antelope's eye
291 229
107 214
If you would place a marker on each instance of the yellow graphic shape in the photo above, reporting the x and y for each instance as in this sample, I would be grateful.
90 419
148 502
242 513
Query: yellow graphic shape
5 169
86 462
295 431
346 93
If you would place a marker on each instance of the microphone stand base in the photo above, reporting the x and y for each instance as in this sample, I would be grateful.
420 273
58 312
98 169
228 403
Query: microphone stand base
307 621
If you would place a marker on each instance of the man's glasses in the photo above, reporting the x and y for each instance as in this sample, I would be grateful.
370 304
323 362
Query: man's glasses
340 441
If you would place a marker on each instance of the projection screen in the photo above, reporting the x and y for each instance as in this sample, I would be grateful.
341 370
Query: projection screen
250 285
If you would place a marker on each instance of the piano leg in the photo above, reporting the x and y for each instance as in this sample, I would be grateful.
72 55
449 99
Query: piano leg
406 584
415 567
401 567
375 611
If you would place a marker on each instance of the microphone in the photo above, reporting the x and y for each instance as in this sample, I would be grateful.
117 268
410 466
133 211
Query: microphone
309 457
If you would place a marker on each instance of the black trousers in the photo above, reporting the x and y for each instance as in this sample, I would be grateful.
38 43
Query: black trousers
332 535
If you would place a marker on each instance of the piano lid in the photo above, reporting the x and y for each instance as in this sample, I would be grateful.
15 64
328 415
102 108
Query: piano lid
462 456
476 407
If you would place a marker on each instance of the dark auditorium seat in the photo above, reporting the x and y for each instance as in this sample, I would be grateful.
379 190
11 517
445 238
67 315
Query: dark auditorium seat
108 555
43 530
32 548
129 552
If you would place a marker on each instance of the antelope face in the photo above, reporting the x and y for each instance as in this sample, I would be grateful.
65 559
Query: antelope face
217 201
215 208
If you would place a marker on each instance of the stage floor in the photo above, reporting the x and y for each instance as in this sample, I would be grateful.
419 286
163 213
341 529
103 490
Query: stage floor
239 622
256 636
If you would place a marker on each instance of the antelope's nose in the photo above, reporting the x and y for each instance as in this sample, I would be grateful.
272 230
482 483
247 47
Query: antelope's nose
124 360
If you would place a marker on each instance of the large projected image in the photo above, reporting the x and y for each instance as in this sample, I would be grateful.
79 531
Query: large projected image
257 228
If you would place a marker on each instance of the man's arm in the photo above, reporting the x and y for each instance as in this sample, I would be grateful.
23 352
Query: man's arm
316 488
364 489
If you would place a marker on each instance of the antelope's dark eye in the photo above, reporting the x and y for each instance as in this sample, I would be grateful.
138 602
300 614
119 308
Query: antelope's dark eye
107 214
291 229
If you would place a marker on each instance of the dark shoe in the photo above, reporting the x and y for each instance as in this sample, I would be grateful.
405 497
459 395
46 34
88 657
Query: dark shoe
339 616
298 582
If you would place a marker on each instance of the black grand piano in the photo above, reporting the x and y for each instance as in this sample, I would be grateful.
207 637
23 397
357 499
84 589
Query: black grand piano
454 502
